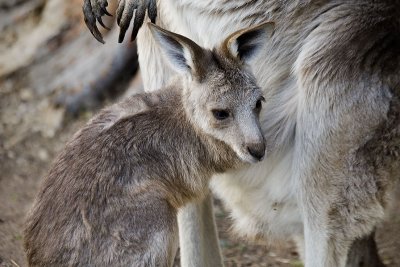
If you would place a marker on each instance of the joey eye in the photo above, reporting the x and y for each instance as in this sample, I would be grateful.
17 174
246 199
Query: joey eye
259 104
220 114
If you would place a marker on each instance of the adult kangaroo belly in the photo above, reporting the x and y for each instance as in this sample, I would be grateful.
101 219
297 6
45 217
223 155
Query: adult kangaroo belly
261 198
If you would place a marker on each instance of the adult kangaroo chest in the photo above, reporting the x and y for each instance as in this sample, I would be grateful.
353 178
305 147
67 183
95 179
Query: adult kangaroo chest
262 197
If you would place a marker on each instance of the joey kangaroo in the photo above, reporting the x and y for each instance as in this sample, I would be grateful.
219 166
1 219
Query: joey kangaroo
331 78
112 196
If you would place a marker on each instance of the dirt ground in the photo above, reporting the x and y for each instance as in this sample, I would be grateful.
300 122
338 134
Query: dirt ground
33 131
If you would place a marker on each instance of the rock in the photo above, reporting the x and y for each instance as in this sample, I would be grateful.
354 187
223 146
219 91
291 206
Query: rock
48 119
11 154
26 94
43 155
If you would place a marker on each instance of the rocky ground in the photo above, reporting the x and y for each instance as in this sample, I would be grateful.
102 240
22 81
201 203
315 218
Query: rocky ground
45 54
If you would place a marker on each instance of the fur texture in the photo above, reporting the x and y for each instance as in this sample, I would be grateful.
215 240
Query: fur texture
111 197
331 79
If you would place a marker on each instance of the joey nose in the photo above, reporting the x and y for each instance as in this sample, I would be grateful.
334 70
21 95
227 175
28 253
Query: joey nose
257 150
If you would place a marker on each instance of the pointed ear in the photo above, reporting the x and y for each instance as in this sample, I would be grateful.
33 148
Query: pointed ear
246 43
184 55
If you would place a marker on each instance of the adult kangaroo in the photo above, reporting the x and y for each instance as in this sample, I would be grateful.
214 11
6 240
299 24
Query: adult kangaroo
331 77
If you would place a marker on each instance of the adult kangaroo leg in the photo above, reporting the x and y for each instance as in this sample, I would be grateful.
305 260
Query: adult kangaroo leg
347 125
342 197
198 235
198 238
363 252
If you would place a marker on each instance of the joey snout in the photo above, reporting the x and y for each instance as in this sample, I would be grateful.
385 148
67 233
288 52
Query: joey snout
256 150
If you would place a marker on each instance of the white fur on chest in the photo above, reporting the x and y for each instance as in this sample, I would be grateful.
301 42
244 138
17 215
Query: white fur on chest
262 198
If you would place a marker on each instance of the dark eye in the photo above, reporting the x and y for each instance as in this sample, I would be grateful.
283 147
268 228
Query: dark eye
220 114
259 103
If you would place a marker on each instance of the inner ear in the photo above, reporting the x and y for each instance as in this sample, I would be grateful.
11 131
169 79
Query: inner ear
176 53
246 43
183 54
249 42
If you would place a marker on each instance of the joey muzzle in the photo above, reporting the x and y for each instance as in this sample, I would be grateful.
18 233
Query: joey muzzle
257 150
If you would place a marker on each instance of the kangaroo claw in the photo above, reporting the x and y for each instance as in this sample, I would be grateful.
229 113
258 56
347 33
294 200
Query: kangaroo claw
93 10
128 8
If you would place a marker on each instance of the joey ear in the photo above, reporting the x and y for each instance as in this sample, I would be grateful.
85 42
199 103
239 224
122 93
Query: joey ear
246 43
184 55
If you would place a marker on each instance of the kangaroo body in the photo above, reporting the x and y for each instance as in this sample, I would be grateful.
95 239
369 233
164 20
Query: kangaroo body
112 196
331 78
115 191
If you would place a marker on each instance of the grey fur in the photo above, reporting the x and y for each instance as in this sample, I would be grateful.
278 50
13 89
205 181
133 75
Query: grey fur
331 77
112 195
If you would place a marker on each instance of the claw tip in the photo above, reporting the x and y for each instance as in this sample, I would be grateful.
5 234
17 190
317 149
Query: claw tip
121 38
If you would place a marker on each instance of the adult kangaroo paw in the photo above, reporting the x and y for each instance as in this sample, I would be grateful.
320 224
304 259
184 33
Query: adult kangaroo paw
93 10
126 10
